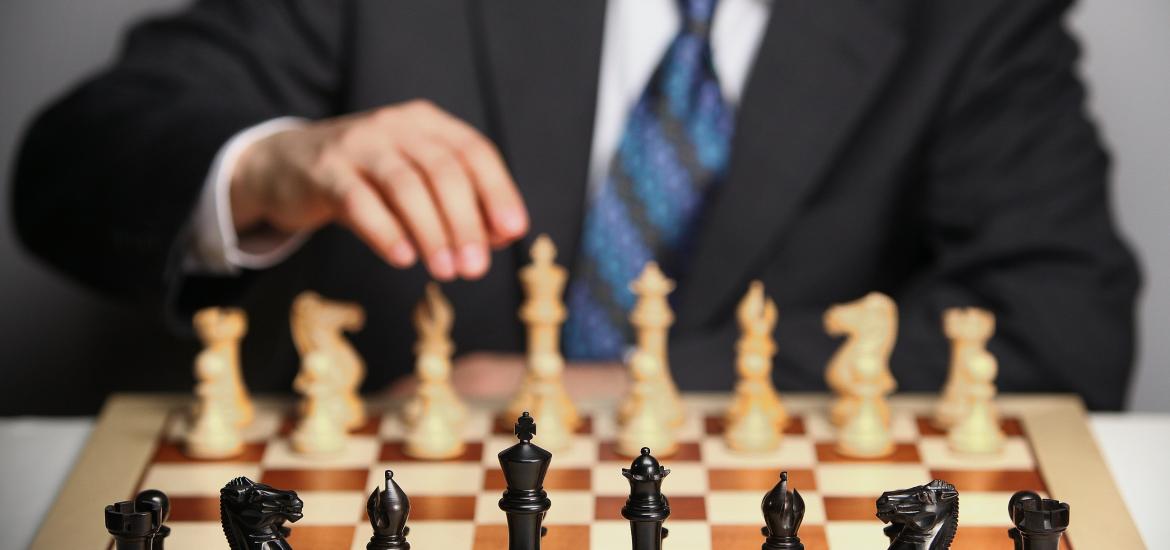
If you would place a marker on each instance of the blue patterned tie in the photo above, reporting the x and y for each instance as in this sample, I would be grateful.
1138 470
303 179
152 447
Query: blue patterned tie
674 148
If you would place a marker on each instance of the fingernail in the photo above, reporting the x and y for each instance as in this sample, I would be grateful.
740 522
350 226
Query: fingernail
443 265
473 260
512 222
402 254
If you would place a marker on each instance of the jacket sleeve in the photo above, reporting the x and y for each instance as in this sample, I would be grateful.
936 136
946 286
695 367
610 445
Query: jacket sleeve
108 176
1018 214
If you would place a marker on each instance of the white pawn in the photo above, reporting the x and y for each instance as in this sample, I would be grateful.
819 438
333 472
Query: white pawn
649 423
433 435
214 433
866 433
978 432
321 431
754 430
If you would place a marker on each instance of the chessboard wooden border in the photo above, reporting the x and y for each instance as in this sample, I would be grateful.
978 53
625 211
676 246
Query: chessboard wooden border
123 441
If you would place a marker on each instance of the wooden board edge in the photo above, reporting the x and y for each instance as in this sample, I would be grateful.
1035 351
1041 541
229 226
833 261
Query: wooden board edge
108 469
1066 451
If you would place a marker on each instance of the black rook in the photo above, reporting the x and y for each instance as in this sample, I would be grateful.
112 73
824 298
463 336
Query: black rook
1040 522
647 507
133 524
525 501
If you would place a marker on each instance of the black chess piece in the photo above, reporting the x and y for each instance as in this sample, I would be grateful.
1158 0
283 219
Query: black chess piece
133 524
1039 522
388 510
525 501
253 515
647 507
927 514
783 512
159 498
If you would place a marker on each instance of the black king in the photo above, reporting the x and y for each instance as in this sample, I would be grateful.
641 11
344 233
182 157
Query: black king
525 501
647 507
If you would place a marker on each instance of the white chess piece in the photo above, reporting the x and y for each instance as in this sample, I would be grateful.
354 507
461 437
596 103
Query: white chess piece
214 433
433 317
651 318
317 327
969 330
648 422
321 429
433 435
871 327
220 329
978 432
754 393
866 434
754 430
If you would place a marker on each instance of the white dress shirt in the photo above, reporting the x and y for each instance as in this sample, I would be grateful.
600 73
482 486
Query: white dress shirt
637 35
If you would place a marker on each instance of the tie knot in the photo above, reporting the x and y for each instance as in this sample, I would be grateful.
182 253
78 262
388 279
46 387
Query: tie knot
697 15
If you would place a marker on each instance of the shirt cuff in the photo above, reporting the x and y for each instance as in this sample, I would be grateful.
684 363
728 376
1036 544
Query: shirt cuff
216 248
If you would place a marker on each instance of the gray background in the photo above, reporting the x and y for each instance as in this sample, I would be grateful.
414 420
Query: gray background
47 44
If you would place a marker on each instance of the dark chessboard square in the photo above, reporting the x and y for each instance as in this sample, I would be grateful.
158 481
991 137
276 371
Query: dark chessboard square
194 509
1010 426
559 537
850 508
372 426
507 427
317 480
715 425
903 452
565 479
681 507
321 537
687 452
758 479
746 537
1007 481
394 451
172 452
442 508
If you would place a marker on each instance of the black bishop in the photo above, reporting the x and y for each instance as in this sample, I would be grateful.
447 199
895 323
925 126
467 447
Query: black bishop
388 510
783 512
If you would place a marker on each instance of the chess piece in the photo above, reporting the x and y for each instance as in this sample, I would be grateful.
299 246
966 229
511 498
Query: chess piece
318 327
783 512
525 501
134 524
253 515
1039 522
925 517
220 330
968 329
756 418
649 410
543 391
143 501
866 434
320 431
977 430
214 433
651 319
434 416
870 325
388 510
646 508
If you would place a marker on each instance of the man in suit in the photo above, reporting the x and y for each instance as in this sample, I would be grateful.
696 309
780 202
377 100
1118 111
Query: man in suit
934 150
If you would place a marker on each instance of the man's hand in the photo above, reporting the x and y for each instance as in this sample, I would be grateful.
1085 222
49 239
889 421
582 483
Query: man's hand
409 180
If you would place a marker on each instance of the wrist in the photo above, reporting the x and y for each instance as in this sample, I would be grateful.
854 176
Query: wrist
247 204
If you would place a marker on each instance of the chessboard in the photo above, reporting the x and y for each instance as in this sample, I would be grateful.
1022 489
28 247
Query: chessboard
714 493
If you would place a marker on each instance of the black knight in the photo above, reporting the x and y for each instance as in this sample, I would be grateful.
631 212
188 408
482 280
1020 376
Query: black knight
253 515
925 517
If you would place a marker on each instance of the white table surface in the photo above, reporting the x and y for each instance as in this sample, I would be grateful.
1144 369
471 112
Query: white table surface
37 453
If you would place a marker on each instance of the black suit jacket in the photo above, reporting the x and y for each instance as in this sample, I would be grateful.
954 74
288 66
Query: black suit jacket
936 150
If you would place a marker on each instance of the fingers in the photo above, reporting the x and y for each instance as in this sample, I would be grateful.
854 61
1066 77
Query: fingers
363 212
406 192
451 187
501 201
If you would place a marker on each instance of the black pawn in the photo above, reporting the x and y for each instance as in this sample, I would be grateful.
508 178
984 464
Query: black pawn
783 512
1039 522
388 509
159 498
647 507
525 501
133 526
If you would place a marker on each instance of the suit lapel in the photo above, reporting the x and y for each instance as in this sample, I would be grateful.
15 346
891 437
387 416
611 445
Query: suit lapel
539 63
818 65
